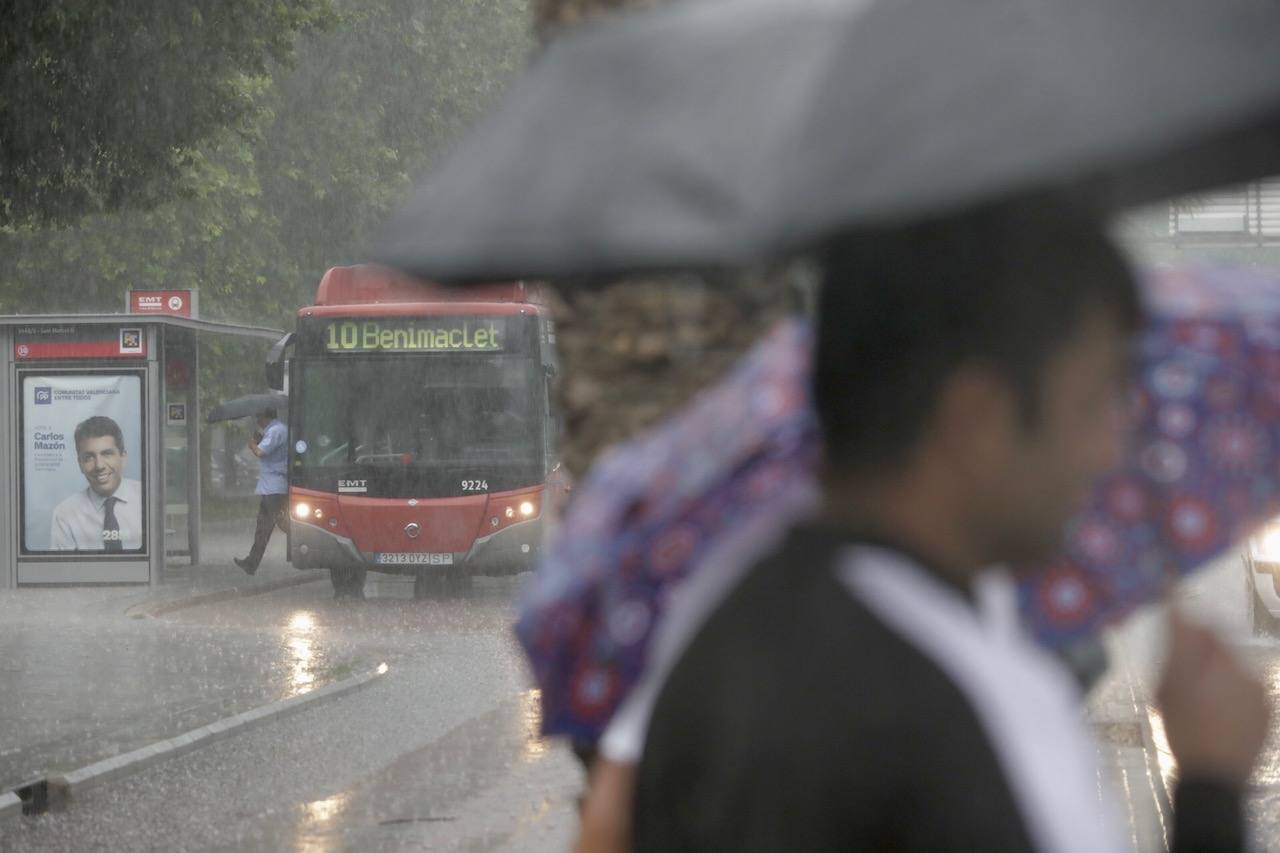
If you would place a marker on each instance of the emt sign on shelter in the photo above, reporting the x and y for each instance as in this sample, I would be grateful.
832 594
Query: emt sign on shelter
176 303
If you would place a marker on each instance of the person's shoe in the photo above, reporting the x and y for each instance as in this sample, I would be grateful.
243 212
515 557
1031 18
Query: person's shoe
248 567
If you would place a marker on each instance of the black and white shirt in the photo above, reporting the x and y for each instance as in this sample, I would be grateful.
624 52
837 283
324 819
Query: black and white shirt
844 697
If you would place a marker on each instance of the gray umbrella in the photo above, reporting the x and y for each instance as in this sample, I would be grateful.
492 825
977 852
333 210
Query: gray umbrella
718 131
248 406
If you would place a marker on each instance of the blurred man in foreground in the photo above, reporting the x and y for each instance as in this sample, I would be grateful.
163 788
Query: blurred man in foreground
868 686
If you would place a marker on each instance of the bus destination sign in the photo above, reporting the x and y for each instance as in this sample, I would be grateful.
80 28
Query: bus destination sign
413 334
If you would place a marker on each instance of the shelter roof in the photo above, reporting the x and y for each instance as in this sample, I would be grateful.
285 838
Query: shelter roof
209 326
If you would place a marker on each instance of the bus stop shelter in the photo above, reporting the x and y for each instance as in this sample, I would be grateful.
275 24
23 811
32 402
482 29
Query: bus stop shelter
100 445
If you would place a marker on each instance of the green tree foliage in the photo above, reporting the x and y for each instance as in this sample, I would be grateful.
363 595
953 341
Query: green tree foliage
102 103
370 107
334 143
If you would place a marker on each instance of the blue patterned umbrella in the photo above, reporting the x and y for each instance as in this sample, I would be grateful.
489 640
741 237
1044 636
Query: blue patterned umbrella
1203 472
646 514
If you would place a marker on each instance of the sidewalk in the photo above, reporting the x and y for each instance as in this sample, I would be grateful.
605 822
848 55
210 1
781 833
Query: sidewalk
1131 756
87 672
217 577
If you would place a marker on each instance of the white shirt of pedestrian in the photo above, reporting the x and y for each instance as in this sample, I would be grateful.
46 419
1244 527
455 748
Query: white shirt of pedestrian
273 465
78 520
1024 699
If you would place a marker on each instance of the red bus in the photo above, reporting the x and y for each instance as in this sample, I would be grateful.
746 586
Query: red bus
421 430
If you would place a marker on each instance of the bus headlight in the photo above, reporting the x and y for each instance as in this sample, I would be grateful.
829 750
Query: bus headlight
302 509
510 512
527 508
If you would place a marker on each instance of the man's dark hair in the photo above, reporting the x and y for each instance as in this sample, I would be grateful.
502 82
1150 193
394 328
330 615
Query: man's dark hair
902 307
99 426
268 412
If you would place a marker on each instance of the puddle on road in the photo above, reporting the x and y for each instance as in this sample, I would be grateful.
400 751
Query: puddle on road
1118 734
299 639
108 685
417 791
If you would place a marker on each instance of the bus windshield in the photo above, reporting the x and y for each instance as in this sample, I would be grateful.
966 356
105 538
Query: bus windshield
420 426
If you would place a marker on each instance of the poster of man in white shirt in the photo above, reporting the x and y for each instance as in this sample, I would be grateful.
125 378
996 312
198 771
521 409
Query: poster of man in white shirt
106 516
82 486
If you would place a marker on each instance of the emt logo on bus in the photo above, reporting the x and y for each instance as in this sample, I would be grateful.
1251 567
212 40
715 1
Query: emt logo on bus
412 334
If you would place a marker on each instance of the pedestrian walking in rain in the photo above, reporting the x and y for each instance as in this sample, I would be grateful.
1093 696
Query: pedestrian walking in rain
273 484
869 686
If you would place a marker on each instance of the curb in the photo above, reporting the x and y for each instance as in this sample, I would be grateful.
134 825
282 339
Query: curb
57 789
142 611
10 805
1155 777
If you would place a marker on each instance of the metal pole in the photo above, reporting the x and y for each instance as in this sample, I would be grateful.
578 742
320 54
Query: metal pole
153 417
194 457
9 443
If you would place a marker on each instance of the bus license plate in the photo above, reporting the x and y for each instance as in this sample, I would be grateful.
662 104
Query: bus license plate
414 559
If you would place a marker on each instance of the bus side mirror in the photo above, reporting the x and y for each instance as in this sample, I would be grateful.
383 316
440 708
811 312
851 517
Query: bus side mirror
276 361
275 377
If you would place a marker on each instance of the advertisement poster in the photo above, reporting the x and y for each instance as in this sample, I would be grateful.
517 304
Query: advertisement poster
82 460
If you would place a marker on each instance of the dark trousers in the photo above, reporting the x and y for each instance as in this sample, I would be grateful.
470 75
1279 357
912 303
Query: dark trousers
270 514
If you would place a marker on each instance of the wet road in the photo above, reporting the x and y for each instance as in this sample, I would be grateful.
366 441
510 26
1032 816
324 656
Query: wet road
132 681
1216 597
441 753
